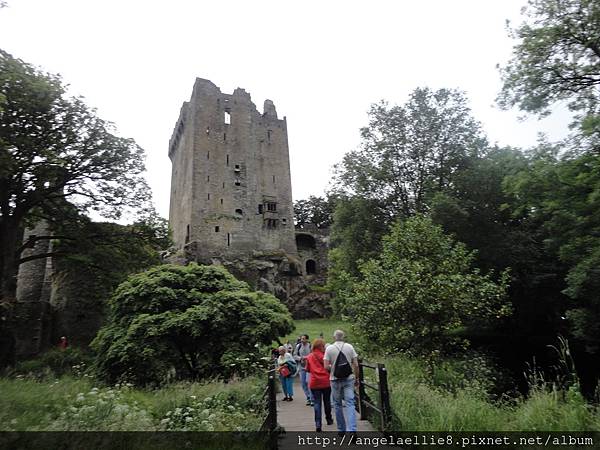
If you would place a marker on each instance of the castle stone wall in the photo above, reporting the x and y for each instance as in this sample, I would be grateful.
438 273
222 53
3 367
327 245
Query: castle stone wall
231 189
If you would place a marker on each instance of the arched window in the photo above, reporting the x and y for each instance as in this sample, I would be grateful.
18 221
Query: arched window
311 267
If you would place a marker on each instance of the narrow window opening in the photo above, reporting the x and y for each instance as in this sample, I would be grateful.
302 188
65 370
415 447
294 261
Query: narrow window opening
283 221
311 267
260 209
187 234
223 185
227 117
271 206
239 211
237 167
224 137
207 196
207 131
217 229
273 178
238 183
221 201
228 239
227 159
269 135
207 155
208 178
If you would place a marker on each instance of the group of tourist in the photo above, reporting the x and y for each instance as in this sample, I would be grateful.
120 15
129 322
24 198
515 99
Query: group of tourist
327 371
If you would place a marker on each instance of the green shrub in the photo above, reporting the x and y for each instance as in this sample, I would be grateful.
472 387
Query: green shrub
421 288
185 322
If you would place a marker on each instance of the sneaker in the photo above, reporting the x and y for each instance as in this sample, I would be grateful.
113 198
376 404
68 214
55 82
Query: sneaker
329 421
285 399
312 403
290 399
319 430
308 403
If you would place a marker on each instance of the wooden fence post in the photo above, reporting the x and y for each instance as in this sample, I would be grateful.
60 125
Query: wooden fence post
272 412
384 397
362 408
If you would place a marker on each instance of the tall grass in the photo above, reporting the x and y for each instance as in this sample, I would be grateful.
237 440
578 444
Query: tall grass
80 404
421 405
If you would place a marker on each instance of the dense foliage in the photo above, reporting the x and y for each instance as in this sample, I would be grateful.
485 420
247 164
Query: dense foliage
97 257
557 58
317 211
421 288
409 152
186 322
55 152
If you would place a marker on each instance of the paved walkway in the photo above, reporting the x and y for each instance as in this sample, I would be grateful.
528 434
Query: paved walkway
296 416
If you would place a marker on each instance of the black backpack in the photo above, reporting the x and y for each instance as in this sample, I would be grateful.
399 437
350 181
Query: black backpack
342 367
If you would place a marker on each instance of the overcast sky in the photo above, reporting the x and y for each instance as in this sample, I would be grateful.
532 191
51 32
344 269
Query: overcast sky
322 62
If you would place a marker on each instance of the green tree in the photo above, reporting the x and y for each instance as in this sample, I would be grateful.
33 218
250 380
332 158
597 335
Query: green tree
314 210
557 59
410 152
193 320
96 258
422 288
483 214
358 227
562 195
55 152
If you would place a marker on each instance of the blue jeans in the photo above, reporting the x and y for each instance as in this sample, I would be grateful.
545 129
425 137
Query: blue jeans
324 394
304 380
344 390
287 384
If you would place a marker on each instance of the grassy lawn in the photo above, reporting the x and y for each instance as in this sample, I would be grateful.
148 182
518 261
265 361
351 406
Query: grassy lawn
314 327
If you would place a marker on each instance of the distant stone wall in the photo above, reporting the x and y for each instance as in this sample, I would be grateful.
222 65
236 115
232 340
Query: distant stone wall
32 314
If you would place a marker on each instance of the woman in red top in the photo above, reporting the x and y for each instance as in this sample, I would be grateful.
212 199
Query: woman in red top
319 382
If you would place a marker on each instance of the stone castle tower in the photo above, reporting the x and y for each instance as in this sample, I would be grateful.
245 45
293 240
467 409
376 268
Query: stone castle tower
231 191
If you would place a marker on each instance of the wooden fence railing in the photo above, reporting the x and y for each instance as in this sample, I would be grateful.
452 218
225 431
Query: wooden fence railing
270 399
365 405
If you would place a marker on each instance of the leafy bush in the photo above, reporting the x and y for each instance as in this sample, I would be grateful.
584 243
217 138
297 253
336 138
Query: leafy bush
421 288
184 323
